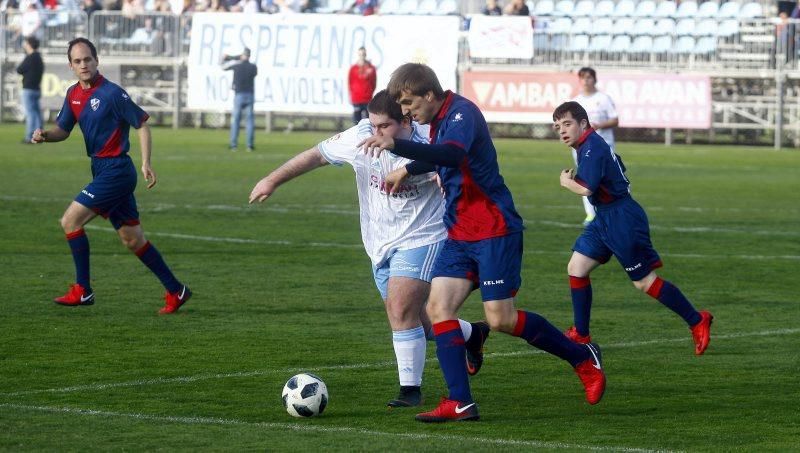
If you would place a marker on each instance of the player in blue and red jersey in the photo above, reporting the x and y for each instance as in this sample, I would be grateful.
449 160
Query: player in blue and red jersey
620 229
105 113
484 245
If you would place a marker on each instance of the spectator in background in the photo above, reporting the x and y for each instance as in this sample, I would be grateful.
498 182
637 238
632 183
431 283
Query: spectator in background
361 80
89 7
492 8
517 8
364 8
31 21
31 69
132 8
244 75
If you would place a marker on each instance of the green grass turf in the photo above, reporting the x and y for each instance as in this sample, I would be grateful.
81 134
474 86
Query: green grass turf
295 293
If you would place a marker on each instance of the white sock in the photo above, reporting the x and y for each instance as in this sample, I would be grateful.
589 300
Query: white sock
466 330
409 348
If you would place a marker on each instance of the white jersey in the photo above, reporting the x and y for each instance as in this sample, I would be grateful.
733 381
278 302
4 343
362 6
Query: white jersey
410 218
599 107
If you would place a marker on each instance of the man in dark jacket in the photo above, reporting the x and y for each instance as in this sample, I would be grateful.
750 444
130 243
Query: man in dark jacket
244 75
32 69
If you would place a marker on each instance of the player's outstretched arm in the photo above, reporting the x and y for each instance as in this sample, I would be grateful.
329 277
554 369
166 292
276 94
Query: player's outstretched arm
302 163
53 135
146 144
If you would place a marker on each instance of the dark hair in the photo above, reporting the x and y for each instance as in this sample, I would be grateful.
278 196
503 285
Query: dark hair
72 43
383 104
572 107
415 78
33 42
587 70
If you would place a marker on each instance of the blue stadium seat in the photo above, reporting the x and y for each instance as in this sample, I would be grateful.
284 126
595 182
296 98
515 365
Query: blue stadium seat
687 8
624 8
603 25
641 44
728 28
583 8
705 45
643 26
624 25
604 8
708 9
665 9
620 43
582 25
664 26
751 10
662 43
563 8
389 7
428 7
728 10
684 44
447 7
600 43
645 8
561 25
685 27
579 43
543 8
706 27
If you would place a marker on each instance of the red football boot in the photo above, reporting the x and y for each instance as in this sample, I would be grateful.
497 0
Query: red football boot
173 301
591 373
572 334
450 411
701 332
75 296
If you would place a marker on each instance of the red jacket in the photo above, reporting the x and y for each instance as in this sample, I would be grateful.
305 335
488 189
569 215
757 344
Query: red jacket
362 81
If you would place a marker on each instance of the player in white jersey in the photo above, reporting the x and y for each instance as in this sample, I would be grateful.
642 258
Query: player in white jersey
402 230
602 117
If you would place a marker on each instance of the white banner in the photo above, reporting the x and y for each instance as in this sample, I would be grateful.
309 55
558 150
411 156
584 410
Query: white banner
500 37
303 59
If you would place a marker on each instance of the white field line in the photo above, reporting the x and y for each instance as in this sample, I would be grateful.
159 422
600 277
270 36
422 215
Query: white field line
564 253
315 428
356 366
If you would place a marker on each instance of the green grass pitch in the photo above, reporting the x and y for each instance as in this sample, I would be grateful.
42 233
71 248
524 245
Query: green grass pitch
285 287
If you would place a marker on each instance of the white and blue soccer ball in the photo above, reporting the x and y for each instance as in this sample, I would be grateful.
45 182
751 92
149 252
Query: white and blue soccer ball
305 395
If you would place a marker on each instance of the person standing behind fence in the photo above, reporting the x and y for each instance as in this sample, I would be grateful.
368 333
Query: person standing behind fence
32 69
361 80
602 117
244 75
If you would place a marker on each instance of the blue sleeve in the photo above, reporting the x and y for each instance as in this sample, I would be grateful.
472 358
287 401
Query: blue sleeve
591 168
419 168
459 128
65 119
443 155
128 111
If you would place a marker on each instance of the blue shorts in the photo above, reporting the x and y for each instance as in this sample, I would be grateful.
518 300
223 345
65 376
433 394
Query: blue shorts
412 263
620 229
110 194
494 264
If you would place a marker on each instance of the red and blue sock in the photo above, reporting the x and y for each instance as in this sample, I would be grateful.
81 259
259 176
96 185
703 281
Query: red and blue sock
149 255
581 289
451 351
538 332
669 295
79 244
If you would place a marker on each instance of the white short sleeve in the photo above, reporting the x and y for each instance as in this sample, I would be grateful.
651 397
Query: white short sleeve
341 148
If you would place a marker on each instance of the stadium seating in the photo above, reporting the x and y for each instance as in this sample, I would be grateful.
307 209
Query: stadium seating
624 8
641 44
428 7
728 10
448 7
604 8
751 10
583 8
645 8
542 8
563 8
708 9
644 26
666 8
687 8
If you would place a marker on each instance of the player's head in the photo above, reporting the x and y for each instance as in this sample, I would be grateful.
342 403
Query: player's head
386 117
82 59
588 78
32 42
570 122
418 91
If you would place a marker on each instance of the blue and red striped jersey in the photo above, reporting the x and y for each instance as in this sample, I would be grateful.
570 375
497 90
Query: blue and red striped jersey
600 170
478 204
105 113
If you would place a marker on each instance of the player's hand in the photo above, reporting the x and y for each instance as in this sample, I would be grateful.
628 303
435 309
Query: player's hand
438 180
567 175
261 191
376 144
149 176
394 180
38 136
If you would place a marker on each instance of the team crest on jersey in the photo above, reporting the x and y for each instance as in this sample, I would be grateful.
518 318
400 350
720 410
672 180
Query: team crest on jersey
457 118
95 103
124 96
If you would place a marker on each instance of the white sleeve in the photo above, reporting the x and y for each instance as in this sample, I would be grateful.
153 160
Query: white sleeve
341 148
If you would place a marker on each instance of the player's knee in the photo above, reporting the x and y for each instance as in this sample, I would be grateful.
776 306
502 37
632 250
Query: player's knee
576 270
644 284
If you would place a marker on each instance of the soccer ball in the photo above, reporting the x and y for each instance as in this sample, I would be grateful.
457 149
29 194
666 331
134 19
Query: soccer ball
305 395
